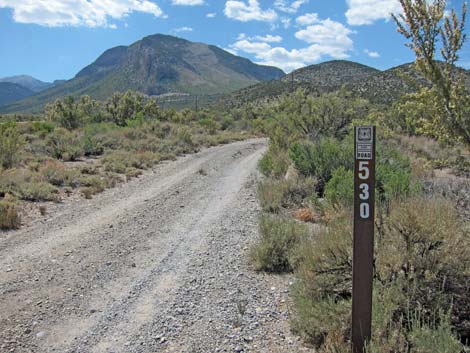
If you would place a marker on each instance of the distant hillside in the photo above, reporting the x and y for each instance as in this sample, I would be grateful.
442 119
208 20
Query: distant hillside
381 87
11 92
325 77
29 82
157 65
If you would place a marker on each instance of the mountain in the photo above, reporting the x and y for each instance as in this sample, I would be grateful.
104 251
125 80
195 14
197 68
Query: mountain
324 77
10 92
29 82
380 87
156 65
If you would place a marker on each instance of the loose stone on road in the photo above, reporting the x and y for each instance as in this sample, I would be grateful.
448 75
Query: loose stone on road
155 265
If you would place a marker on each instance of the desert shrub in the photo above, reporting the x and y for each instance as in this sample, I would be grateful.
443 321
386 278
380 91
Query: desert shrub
92 185
426 246
10 144
121 161
322 295
278 238
339 190
9 217
227 122
275 195
393 174
58 174
433 337
321 159
116 162
183 134
27 185
65 145
42 128
325 260
95 181
133 173
209 125
91 145
145 160
422 269
274 163
38 191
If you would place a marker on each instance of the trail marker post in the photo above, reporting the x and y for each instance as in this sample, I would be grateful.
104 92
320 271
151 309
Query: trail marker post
363 238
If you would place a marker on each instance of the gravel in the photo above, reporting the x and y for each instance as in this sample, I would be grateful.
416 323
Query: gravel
155 265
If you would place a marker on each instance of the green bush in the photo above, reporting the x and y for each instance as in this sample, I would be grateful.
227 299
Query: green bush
209 125
320 160
339 190
393 175
10 144
91 145
65 145
274 163
38 191
9 217
278 238
42 128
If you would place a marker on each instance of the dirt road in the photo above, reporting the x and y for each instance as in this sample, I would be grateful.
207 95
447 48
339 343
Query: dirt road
155 265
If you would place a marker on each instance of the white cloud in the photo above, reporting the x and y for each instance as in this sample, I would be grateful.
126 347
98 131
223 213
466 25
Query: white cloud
241 11
327 38
289 7
269 38
188 2
327 33
90 13
307 19
211 15
372 54
113 26
265 39
286 22
365 12
183 29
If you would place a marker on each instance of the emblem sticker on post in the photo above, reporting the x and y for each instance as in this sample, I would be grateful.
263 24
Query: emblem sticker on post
364 140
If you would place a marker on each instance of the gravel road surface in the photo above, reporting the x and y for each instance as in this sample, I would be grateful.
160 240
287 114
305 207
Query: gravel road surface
158 264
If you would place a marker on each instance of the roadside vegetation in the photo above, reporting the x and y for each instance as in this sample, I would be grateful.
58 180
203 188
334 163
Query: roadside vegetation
82 146
422 247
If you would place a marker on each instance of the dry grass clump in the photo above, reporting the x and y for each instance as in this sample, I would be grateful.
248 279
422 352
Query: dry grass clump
307 215
9 217
276 195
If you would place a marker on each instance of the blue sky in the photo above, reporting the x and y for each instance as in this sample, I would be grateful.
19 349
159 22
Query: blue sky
54 39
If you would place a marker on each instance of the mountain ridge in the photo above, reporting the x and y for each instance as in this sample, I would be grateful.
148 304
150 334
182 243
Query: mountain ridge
28 81
10 92
380 87
155 65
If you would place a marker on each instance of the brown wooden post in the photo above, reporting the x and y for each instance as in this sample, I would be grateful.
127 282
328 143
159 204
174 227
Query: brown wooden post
363 242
